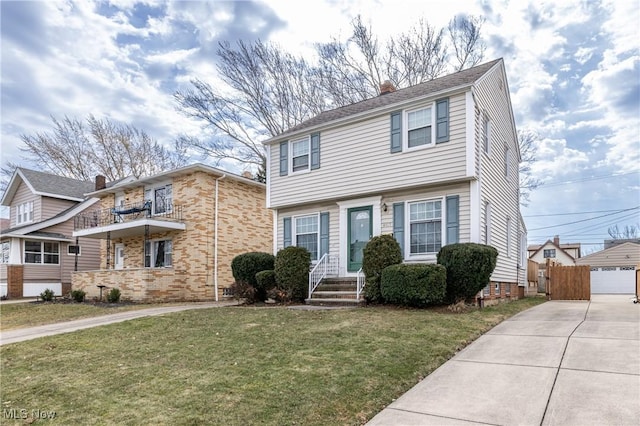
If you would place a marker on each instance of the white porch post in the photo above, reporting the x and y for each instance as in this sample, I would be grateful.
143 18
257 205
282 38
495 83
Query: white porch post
15 252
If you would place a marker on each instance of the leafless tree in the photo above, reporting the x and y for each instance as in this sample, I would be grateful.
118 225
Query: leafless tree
628 232
468 47
264 90
83 149
527 139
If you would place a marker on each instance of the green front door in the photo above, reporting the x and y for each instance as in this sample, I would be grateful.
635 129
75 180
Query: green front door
359 230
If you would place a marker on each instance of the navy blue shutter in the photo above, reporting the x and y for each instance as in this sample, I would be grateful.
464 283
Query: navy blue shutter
284 158
453 222
396 131
442 120
286 230
315 151
324 234
398 225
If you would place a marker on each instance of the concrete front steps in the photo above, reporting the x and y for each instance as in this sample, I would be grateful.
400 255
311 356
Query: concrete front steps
337 292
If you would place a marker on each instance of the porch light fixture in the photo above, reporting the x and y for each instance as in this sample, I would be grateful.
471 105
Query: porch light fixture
384 207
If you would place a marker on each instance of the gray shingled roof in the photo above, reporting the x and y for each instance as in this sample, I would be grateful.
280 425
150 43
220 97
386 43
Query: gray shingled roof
57 185
460 78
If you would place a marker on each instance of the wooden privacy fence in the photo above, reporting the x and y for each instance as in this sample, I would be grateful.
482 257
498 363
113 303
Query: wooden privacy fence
532 272
568 282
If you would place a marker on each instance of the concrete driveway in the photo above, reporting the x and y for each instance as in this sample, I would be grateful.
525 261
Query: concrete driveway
559 363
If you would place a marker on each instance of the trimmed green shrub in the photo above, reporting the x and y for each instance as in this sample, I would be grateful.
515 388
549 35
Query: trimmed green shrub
266 280
381 251
292 272
78 295
469 267
417 284
244 267
47 295
113 296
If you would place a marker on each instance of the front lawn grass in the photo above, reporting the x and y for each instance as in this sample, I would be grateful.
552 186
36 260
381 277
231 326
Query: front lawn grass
30 314
239 366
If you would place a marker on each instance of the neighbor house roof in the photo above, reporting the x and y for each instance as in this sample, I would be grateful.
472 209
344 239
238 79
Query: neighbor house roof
46 184
459 79
562 247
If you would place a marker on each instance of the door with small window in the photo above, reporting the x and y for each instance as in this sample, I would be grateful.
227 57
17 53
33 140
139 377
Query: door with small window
359 232
119 256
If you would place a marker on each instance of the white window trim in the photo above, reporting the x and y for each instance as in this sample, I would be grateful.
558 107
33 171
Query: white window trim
73 254
290 160
153 188
405 128
28 210
407 229
294 230
42 253
5 255
152 260
550 257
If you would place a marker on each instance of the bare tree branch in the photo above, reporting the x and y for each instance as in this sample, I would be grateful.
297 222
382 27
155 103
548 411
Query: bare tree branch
464 34
527 139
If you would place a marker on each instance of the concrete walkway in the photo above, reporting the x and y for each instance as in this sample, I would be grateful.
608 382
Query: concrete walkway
559 363
22 334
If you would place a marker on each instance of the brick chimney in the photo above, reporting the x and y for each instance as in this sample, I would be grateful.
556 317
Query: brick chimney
101 182
387 87
556 240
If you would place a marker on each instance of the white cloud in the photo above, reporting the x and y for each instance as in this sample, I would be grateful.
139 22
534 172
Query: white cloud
555 159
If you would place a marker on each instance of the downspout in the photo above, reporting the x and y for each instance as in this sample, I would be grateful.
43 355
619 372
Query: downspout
215 241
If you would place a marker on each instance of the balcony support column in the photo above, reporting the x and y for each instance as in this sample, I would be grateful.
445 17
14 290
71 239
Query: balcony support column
146 246
109 250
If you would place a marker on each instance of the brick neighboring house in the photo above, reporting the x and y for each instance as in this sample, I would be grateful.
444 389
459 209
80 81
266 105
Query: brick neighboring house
432 164
38 250
172 236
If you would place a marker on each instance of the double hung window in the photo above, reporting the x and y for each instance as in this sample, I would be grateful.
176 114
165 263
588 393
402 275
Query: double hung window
300 155
306 234
419 125
425 227
24 213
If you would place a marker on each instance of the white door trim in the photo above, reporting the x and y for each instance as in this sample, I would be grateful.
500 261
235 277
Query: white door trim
120 264
375 203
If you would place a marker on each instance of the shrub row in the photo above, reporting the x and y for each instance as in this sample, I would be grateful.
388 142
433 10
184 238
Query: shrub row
417 285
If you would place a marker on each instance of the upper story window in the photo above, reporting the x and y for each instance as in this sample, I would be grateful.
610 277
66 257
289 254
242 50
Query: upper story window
486 133
306 234
425 227
42 252
419 127
161 198
300 155
24 213
549 253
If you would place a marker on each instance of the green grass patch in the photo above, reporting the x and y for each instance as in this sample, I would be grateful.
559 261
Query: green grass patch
239 366
30 314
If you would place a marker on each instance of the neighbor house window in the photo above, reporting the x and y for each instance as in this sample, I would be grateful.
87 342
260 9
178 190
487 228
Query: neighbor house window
549 253
4 254
72 250
300 155
24 213
306 234
161 198
425 227
41 252
157 254
419 125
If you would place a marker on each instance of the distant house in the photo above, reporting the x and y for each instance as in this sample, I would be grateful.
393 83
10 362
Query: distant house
172 236
38 249
432 164
565 254
613 270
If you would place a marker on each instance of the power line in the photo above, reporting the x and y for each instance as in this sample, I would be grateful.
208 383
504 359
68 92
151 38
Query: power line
585 220
570 214
586 179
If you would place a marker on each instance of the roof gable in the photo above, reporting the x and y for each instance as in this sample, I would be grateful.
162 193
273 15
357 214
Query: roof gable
448 82
549 244
47 185
617 249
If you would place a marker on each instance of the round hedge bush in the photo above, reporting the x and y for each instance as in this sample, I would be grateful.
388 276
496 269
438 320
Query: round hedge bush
469 268
244 268
292 272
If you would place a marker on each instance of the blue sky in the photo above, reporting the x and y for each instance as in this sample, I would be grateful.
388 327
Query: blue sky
573 71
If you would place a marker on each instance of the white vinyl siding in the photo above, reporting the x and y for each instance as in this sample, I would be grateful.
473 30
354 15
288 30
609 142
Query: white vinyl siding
358 150
491 97
334 213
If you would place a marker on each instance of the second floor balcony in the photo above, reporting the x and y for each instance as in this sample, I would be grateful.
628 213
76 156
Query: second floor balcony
129 220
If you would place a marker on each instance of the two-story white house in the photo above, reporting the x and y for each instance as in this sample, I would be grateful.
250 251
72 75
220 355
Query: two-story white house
432 164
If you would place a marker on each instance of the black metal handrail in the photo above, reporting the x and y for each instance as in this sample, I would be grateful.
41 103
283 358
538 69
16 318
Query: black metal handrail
126 213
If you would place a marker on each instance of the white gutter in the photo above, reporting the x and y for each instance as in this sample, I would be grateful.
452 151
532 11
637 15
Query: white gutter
215 241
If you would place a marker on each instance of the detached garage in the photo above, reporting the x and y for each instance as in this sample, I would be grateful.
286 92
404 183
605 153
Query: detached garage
613 271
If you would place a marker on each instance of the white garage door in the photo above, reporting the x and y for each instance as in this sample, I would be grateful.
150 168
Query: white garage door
613 280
